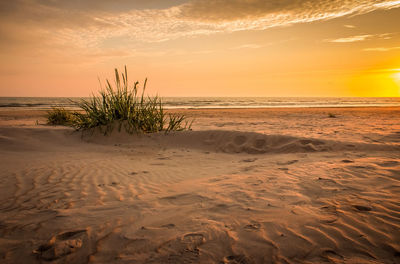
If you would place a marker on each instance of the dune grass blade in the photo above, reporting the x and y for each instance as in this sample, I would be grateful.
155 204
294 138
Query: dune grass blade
122 106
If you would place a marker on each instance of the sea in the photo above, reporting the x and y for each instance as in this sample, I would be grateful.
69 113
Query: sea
45 103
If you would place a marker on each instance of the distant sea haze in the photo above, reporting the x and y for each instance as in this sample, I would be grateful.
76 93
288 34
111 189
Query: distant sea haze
43 103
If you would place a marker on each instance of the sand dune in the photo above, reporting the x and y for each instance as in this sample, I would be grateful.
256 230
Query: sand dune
205 196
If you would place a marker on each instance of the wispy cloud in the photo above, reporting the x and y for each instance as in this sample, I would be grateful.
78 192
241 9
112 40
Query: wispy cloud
386 35
349 26
247 46
387 3
154 21
350 39
299 10
358 38
382 49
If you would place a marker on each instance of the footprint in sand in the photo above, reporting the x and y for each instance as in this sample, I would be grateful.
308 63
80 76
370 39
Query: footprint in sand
329 214
184 199
164 158
290 162
194 239
305 141
252 227
313 142
236 259
61 245
249 160
169 226
239 140
259 143
328 182
347 161
185 249
249 168
362 208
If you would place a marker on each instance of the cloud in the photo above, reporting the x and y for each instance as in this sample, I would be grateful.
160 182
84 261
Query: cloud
358 38
387 3
228 10
386 35
291 10
349 26
114 6
382 49
92 23
350 39
247 46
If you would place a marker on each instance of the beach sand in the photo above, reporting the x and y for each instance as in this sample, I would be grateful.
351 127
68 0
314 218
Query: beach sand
245 186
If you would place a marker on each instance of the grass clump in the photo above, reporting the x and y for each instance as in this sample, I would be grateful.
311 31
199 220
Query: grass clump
127 107
331 115
59 116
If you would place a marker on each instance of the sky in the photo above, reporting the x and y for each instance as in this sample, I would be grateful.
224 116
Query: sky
202 47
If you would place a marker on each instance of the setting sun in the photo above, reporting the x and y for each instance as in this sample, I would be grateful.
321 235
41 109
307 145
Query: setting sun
397 75
378 83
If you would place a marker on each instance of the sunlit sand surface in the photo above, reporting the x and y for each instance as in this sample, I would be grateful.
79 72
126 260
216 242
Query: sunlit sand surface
245 186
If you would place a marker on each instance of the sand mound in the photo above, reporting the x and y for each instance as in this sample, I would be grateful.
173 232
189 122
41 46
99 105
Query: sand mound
38 138
212 140
244 142
233 142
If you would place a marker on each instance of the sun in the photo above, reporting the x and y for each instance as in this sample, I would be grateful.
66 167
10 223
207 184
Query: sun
396 77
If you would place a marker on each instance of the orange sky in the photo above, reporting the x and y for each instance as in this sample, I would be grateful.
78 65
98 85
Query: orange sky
202 47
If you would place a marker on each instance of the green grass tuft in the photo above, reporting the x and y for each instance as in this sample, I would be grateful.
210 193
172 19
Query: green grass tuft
59 116
124 106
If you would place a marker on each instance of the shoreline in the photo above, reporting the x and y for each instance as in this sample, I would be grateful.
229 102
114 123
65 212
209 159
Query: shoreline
3 111
11 109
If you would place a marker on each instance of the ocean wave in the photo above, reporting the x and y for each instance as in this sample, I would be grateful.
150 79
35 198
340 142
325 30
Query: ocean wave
212 102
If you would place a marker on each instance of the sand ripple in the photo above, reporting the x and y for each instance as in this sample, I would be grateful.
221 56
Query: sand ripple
197 197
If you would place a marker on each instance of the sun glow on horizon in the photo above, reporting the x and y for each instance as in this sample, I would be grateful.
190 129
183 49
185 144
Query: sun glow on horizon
376 83
396 77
